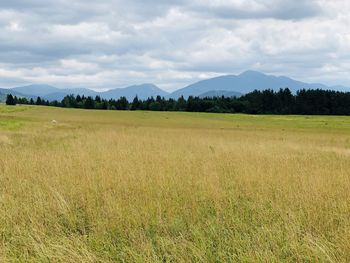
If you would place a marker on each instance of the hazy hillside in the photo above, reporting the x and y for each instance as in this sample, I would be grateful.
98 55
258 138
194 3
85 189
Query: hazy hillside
2 97
36 90
61 93
220 93
4 92
229 85
142 91
52 93
244 83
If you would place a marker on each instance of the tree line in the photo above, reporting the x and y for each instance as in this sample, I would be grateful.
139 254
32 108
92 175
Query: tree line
311 102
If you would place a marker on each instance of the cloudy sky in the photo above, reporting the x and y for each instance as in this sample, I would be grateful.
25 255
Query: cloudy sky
115 43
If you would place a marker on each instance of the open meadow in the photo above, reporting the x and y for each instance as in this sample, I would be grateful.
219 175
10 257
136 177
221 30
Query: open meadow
122 186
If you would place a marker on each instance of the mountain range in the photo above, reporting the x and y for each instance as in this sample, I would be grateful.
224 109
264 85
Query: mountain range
228 86
52 93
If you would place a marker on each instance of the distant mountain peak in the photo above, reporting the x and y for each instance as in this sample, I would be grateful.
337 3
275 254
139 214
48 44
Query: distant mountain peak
47 92
252 74
36 89
226 85
40 86
143 91
243 83
145 86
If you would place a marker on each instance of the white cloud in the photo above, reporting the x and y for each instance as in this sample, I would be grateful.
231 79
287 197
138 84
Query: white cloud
115 43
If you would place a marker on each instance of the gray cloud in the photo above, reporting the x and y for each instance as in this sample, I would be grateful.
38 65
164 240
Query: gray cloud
113 43
279 9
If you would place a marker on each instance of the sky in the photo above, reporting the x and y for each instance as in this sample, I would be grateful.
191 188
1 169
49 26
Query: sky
115 43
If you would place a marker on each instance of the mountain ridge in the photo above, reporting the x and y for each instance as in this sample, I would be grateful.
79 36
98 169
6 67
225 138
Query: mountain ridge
227 85
244 83
47 92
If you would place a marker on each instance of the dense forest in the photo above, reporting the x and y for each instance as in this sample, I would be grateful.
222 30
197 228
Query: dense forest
313 102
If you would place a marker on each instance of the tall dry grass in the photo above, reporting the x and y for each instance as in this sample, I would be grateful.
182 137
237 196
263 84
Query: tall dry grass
172 187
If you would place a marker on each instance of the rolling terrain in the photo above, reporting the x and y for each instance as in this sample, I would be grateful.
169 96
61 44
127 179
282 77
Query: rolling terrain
229 85
245 83
120 186
52 93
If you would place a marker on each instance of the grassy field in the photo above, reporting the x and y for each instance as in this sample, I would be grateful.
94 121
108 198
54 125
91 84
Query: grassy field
111 186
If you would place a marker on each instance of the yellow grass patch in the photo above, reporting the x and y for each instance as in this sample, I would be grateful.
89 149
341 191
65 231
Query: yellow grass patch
174 187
